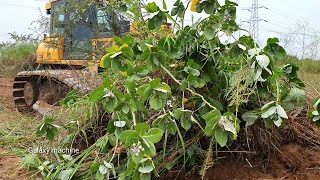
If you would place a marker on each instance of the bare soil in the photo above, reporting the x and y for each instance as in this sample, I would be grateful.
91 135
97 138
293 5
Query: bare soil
294 161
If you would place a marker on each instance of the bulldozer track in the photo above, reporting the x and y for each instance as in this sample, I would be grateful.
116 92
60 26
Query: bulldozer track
80 80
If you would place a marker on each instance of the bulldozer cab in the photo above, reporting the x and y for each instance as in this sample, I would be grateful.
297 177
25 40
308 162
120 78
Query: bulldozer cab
80 34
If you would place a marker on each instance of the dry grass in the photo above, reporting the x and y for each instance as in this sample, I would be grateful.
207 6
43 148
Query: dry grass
312 82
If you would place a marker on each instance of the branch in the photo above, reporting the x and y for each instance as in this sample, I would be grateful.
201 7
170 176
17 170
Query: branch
190 90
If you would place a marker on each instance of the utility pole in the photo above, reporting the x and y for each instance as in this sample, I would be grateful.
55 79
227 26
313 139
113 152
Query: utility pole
254 20
303 42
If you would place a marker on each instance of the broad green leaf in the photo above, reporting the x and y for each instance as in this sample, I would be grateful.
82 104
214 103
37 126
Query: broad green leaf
103 170
149 147
99 176
278 122
142 128
129 137
154 135
178 113
125 108
250 117
209 33
263 61
152 7
110 104
145 169
65 174
281 112
94 166
156 102
165 88
211 126
185 121
221 137
49 120
97 95
144 176
267 113
214 114
52 132
268 105
31 160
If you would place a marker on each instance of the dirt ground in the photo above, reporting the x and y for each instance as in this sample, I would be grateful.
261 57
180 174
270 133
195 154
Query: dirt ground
9 164
294 162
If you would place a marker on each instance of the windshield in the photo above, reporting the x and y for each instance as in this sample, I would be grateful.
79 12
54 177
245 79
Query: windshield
58 19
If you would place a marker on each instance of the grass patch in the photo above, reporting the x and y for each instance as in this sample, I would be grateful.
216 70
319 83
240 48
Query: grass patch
16 57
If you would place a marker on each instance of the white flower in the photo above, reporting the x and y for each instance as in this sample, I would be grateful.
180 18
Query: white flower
136 149
108 93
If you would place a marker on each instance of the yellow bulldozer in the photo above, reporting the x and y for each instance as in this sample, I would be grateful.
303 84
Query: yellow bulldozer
68 59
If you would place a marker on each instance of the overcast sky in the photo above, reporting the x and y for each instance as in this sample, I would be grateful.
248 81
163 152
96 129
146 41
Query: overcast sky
282 15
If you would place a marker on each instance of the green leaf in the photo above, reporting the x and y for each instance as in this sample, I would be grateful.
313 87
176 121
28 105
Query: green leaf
149 147
144 176
129 137
263 61
125 108
272 103
186 121
214 114
177 113
145 169
152 7
31 160
250 117
94 166
49 120
281 112
97 95
267 113
110 104
209 33
103 170
52 132
142 128
99 176
65 174
211 125
164 88
154 135
221 137
278 122
157 102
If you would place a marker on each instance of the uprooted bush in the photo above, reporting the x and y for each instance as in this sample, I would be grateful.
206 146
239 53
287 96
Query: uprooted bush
170 101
